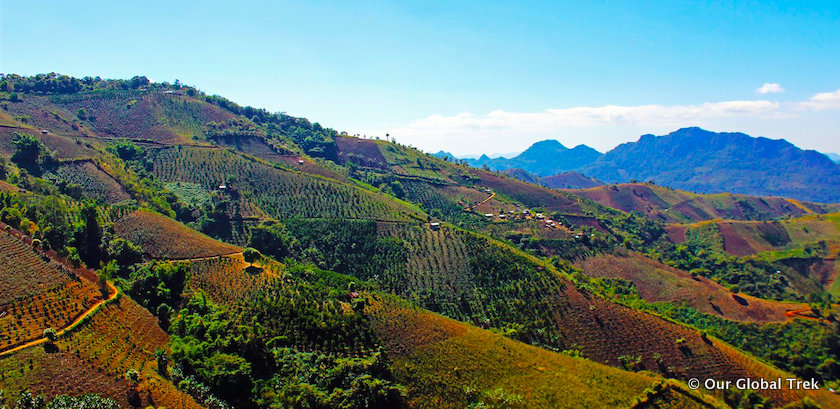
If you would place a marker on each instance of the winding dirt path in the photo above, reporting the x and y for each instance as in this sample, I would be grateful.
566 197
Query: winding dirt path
62 331
492 195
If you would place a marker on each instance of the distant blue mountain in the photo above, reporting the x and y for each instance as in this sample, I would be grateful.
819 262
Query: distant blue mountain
699 160
543 158
835 157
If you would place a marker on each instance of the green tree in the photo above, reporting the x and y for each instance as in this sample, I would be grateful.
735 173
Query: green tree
89 401
124 252
270 237
125 149
28 401
50 334
88 235
28 152
251 255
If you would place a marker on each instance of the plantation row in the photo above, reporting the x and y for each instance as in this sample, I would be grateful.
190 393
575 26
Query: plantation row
279 193
120 337
226 279
453 272
438 260
163 238
26 272
93 182
57 373
26 318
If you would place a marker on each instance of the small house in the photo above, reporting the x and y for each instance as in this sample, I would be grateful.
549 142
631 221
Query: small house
502 215
44 131
488 215
434 225
300 161
540 216
223 187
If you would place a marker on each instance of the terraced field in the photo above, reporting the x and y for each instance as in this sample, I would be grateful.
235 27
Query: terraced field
94 358
164 238
36 293
227 280
281 194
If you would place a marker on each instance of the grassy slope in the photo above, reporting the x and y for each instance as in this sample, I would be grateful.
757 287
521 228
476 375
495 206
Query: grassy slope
164 238
658 282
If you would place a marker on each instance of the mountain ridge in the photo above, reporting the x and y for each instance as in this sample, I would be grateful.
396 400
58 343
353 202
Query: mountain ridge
692 159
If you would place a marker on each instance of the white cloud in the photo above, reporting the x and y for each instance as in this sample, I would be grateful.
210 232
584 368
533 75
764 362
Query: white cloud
603 127
770 88
822 101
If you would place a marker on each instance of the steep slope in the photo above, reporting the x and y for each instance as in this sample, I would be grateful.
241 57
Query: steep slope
164 238
148 116
95 357
453 365
275 191
698 160
36 292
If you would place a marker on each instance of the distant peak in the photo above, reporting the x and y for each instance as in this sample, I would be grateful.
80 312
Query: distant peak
583 147
547 144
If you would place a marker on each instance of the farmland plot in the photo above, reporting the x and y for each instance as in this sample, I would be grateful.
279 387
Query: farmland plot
36 293
281 194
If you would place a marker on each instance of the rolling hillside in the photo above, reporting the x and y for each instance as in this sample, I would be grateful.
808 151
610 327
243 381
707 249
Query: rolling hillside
677 206
375 275
657 282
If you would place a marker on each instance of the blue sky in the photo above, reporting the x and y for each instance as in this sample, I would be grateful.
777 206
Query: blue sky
468 77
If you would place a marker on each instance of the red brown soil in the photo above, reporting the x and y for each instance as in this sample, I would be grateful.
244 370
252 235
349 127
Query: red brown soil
164 238
676 233
733 242
605 331
530 195
364 152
